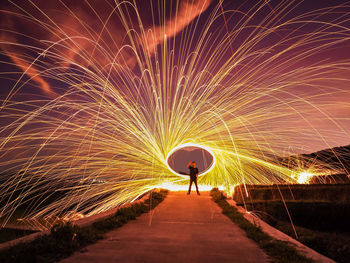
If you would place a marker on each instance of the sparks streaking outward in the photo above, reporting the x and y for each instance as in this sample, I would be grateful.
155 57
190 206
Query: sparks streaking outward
108 89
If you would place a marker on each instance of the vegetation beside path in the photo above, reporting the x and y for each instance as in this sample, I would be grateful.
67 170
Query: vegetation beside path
278 250
334 245
320 214
65 239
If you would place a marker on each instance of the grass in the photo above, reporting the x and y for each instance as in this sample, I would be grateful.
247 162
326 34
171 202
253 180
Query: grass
65 239
320 214
334 245
279 251
320 226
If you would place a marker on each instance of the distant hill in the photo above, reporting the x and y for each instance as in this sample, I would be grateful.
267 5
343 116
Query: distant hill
337 158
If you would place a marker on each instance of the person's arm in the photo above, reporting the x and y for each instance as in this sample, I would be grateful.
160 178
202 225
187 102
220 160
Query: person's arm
188 165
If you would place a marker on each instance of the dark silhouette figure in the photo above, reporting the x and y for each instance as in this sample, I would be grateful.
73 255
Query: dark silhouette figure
193 176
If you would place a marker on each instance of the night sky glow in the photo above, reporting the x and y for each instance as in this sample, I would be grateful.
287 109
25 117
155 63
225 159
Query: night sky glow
96 94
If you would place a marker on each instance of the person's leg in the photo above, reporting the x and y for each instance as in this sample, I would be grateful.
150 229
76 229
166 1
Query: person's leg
195 182
189 188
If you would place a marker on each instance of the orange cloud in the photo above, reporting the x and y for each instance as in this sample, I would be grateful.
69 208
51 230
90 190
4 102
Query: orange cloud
33 73
188 11
26 67
81 41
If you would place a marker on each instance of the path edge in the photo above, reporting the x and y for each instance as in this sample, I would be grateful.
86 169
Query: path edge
83 222
275 233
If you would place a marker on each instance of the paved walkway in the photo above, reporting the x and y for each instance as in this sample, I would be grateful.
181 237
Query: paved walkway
181 229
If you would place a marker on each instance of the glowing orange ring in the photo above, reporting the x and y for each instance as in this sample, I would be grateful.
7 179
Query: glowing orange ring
191 145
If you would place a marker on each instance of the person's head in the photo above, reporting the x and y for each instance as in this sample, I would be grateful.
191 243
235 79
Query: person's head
193 164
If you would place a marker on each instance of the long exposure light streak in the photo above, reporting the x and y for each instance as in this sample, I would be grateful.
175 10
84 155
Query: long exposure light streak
99 104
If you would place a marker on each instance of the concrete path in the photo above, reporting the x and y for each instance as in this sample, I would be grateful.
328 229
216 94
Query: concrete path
181 229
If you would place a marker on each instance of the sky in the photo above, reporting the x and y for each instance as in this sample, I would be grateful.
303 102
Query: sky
26 29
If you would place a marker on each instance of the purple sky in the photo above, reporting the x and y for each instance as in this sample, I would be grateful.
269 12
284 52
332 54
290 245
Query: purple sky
335 129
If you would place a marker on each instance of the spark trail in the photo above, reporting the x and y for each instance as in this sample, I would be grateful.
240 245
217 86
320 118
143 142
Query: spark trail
123 97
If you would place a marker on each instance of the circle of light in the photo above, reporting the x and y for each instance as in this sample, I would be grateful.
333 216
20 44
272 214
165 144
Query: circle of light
180 146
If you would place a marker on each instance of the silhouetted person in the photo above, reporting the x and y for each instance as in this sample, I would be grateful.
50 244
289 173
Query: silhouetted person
193 176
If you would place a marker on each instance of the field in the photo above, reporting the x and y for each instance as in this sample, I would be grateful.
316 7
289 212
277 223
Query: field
319 214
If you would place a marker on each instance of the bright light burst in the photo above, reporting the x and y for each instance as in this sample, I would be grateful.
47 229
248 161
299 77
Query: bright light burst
304 177
116 106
